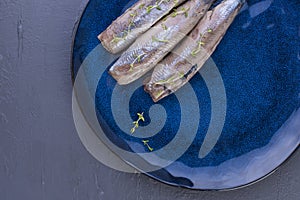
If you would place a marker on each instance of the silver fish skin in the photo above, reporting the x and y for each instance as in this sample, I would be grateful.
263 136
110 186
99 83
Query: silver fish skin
134 22
191 54
158 41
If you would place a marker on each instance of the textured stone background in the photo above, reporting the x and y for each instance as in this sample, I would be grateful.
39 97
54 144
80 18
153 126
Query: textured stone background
41 156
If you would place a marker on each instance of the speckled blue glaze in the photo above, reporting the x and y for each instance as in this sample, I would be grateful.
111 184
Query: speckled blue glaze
259 61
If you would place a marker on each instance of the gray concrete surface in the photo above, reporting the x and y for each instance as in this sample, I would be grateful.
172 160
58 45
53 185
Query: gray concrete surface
41 156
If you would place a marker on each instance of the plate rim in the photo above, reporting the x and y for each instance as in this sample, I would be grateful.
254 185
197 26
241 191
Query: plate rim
292 155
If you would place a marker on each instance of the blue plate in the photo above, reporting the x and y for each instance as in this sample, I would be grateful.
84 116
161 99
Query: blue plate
235 122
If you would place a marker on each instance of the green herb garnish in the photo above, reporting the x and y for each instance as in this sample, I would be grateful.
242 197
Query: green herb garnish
155 39
172 78
147 145
137 59
131 24
136 123
198 49
132 14
157 5
182 11
164 26
117 39
149 8
200 42
142 6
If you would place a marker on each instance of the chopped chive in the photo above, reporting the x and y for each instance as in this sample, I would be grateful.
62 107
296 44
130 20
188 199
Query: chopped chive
155 39
157 6
142 6
149 8
137 59
131 67
182 11
200 42
171 79
181 74
117 39
164 26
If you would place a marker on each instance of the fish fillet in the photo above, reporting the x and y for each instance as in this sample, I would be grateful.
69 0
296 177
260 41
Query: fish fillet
135 21
191 54
158 41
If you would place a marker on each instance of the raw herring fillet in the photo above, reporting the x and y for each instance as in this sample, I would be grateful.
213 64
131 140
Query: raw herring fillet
191 54
134 22
158 41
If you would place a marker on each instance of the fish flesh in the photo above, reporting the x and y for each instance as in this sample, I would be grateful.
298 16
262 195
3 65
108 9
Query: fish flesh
158 41
190 55
134 22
